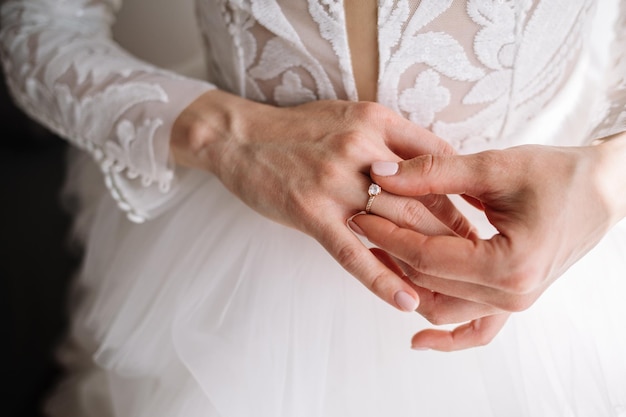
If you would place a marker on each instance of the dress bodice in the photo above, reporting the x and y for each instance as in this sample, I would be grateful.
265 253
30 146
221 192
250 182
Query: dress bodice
476 72
470 71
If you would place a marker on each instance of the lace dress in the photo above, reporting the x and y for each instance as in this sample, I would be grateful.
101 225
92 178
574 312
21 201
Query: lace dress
208 309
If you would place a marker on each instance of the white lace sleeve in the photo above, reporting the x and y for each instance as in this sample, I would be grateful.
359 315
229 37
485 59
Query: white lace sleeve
612 118
64 70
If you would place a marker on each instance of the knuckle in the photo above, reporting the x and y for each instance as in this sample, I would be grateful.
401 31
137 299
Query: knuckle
414 213
415 260
517 303
492 164
416 278
480 165
426 165
438 312
376 285
350 145
481 335
442 208
328 172
348 257
435 318
522 279
366 111
354 143
433 202
486 160
483 338
460 225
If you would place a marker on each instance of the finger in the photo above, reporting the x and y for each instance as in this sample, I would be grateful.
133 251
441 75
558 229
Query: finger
437 308
430 214
348 250
409 213
440 174
440 308
497 300
438 204
478 332
444 301
482 262
449 214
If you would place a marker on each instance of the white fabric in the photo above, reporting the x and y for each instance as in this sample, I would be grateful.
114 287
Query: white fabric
211 310
65 71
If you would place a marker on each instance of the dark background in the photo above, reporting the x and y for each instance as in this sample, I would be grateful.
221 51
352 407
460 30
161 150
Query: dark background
36 263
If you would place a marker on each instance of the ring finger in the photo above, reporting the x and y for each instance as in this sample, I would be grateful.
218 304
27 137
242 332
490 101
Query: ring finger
408 213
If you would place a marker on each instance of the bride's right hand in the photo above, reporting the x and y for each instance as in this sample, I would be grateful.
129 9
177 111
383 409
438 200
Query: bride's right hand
308 167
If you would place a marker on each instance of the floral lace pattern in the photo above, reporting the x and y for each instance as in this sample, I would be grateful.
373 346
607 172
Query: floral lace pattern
74 79
472 71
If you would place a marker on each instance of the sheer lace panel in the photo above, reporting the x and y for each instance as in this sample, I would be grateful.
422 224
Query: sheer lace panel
471 71
476 71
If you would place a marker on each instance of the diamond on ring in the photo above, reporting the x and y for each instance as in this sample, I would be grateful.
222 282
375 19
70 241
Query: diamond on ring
372 191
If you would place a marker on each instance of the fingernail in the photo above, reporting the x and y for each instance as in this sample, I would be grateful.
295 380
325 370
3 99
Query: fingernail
385 169
421 348
405 301
355 227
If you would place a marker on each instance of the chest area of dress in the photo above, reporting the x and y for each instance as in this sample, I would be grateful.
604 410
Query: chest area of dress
465 68
397 20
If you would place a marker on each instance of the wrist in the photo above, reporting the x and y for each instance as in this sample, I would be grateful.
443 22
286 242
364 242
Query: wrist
212 125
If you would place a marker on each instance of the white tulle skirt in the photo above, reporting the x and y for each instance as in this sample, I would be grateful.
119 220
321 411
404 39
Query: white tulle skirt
212 310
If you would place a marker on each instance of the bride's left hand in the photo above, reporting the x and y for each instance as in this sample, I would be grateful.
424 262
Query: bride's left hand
550 206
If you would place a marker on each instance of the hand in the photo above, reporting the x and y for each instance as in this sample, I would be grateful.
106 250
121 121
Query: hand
549 205
442 309
308 167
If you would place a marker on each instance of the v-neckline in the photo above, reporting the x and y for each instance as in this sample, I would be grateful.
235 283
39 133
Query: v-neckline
361 26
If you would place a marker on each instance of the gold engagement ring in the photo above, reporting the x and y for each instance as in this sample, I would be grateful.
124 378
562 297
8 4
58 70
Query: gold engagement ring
372 191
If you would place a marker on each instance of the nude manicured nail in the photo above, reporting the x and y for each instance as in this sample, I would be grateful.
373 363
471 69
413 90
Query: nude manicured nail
419 348
385 169
405 301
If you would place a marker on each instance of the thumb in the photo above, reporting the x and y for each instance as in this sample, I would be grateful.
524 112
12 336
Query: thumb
433 174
